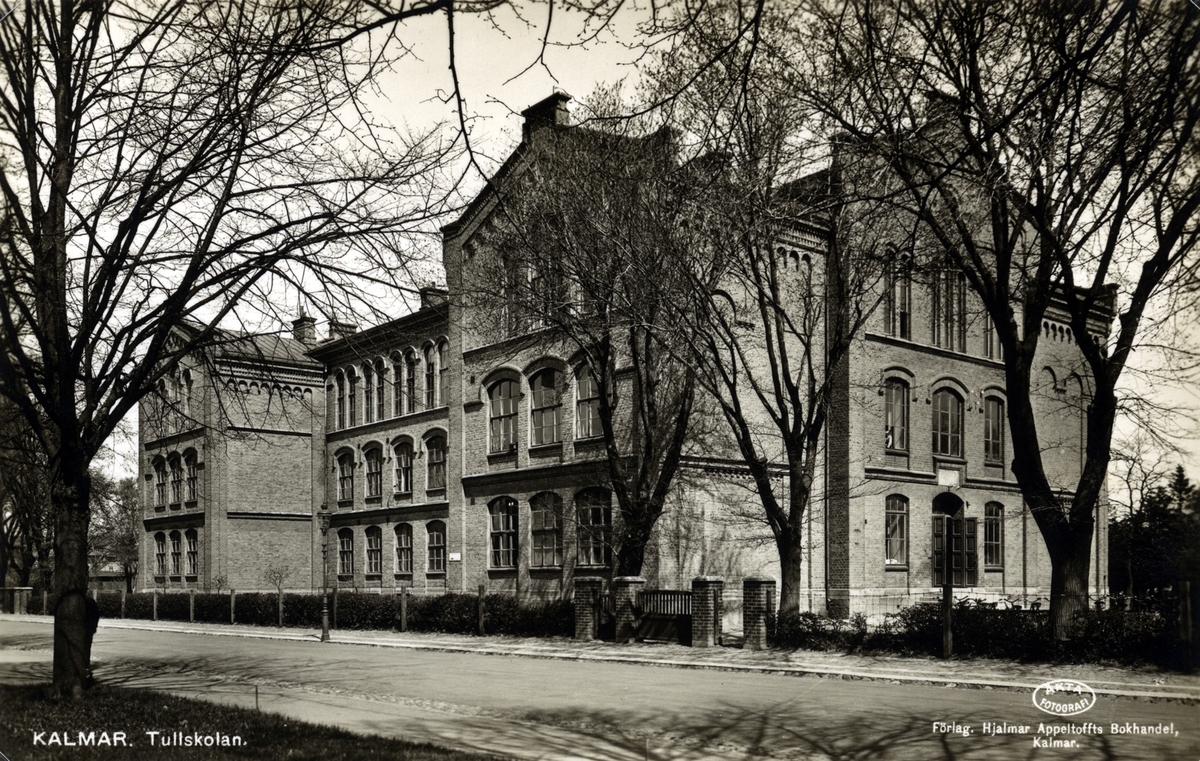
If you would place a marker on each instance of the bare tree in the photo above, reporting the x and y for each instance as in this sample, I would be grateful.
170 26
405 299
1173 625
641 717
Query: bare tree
116 530
1049 152
277 575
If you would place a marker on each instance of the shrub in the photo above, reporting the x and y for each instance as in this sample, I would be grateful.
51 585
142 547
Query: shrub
257 608
451 613
302 611
139 605
109 604
504 615
173 606
212 608
364 610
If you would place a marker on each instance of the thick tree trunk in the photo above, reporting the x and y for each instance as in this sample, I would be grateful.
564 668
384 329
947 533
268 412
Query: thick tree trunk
1070 557
791 559
70 494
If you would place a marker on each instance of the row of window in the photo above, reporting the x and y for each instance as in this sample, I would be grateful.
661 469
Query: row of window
180 563
435 549
954 540
370 385
178 473
545 416
947 427
948 299
402 472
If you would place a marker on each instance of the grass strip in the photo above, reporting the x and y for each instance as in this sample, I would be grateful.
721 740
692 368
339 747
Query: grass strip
35 726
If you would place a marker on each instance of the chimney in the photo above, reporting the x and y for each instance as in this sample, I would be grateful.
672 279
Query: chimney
304 328
431 296
341 329
551 112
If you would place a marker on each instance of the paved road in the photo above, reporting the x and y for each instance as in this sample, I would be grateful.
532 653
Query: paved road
543 709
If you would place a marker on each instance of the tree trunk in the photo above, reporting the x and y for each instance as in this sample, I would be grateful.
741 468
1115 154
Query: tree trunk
791 559
70 494
1070 557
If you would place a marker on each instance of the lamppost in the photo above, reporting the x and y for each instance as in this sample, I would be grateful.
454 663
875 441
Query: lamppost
324 518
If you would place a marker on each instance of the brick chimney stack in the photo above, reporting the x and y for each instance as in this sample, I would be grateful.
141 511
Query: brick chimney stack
551 112
304 328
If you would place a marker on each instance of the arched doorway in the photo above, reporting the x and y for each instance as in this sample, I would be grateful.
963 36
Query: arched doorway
955 542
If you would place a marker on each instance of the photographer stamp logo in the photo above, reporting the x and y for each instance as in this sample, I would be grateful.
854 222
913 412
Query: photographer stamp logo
1064 697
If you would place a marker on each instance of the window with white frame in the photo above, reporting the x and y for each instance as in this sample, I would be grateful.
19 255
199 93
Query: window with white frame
898 308
368 394
547 530
193 551
176 553
443 374
543 425
380 385
397 386
341 400
404 548
345 469
949 310
160 482
947 423
896 531
374 550
410 382
502 400
992 348
503 515
176 480
374 458
993 535
435 473
352 398
895 415
345 552
993 430
430 380
404 467
436 546
587 405
160 553
593 511
189 462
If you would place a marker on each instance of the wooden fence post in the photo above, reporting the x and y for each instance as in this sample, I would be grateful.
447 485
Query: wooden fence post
404 609
232 606
191 606
154 605
482 590
122 603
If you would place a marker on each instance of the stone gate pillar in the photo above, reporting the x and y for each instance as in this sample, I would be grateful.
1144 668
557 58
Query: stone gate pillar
587 607
625 594
758 602
707 610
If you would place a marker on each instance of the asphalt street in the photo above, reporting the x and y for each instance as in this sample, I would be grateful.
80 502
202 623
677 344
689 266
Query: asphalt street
535 708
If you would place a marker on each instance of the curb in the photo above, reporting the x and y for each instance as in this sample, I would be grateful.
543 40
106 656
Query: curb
1185 694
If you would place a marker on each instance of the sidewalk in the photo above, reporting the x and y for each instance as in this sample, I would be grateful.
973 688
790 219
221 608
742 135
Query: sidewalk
967 674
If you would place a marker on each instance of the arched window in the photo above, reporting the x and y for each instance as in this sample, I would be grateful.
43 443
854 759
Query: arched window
160 483
380 384
593 510
160 553
443 373
949 310
176 553
993 430
397 386
547 519
176 480
436 547
947 423
993 535
374 550
896 531
587 405
410 381
189 464
430 379
345 468
404 548
341 400
895 416
899 298
193 541
992 348
503 416
543 427
435 449
345 552
368 394
352 398
374 457
187 393
503 514
404 462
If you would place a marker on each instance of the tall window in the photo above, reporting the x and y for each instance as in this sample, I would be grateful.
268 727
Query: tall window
947 423
436 548
374 550
176 553
160 553
546 516
954 541
190 464
503 416
543 428
899 300
176 480
435 449
503 512
374 459
992 349
380 384
443 373
345 466
397 386
341 401
192 551
949 307
993 535
430 377
404 548
410 381
404 461
160 483
345 552
993 430
895 416
352 398
587 405
896 530
368 395
593 508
